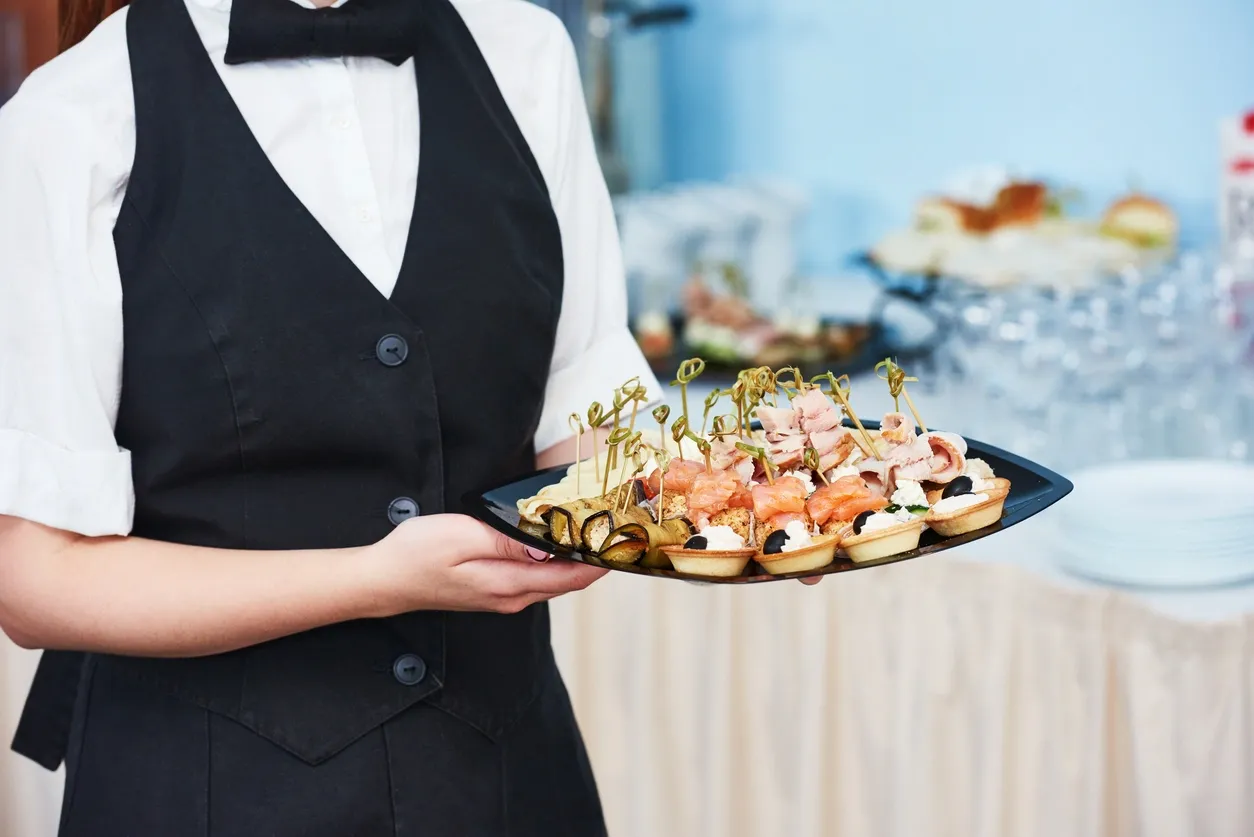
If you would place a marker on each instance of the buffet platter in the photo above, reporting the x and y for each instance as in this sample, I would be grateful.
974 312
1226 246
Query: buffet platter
718 323
835 343
1023 235
788 483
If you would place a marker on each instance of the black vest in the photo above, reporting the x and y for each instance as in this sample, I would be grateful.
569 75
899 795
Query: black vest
273 399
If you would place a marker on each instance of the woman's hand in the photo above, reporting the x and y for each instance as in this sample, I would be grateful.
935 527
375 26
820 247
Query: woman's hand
452 562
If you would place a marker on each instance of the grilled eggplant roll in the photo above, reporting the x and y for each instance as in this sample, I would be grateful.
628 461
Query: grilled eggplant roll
652 537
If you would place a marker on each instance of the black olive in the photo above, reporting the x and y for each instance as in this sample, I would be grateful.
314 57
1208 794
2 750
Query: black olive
860 521
697 542
960 485
775 542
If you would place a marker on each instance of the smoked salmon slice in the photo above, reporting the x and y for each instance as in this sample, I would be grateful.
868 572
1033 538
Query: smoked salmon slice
844 499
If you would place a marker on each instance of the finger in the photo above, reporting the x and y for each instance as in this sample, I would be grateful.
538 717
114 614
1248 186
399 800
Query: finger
810 582
485 542
512 550
510 578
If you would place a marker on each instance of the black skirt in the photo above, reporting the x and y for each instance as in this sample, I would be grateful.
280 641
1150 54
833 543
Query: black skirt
143 763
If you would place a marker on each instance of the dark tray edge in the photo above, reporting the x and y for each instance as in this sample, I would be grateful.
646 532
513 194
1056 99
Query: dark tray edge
476 505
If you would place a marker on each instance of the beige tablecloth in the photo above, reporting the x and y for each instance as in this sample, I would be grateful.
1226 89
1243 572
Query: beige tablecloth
931 698
937 698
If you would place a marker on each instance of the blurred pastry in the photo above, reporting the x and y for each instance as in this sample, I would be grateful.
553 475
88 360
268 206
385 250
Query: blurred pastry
1141 221
908 251
655 335
1020 205
943 215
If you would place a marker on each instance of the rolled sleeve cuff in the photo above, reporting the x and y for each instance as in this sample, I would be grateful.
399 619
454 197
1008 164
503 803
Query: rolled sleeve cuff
89 493
605 366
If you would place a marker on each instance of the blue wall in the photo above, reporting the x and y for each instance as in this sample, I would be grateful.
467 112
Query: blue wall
868 102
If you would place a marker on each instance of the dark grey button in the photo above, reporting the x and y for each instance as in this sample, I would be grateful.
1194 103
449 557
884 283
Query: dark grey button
391 350
409 670
402 509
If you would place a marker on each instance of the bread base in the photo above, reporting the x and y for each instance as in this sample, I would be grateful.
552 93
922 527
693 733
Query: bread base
710 564
883 543
816 556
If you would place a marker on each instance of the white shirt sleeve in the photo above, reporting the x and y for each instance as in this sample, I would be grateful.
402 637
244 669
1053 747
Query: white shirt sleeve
595 351
63 173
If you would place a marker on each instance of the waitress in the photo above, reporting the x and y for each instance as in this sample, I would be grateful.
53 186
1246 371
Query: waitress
258 335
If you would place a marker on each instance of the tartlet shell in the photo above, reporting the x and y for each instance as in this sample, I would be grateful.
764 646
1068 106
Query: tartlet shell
713 564
971 518
999 484
817 555
883 543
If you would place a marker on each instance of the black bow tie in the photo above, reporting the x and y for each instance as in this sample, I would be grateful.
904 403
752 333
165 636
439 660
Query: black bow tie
267 30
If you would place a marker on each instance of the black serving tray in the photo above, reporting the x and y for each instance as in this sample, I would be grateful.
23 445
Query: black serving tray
1033 488
879 341
919 288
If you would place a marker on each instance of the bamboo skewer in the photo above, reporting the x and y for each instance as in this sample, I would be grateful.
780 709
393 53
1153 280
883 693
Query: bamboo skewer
663 458
897 379
631 446
760 455
688 372
710 401
813 462
678 431
634 392
576 425
616 438
596 420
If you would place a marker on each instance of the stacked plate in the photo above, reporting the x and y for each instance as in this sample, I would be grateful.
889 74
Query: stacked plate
1177 523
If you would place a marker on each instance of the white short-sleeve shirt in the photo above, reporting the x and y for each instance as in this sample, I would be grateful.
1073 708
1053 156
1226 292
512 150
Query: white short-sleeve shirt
344 135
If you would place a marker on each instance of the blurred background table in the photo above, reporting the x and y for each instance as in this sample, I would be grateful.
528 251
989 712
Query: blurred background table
943 697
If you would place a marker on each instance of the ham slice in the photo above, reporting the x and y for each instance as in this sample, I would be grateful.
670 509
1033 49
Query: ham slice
897 428
915 450
826 441
878 475
778 420
787 452
959 443
834 447
948 457
917 471
724 454
816 412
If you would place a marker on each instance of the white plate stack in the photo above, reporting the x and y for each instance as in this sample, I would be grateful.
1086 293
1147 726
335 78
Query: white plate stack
1172 523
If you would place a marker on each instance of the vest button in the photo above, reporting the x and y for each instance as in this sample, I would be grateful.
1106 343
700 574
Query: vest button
409 670
402 509
391 350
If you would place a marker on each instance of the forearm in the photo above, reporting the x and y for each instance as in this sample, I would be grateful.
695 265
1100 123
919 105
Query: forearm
148 598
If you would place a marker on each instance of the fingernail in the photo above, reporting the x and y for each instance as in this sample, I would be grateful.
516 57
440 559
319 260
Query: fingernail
536 554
